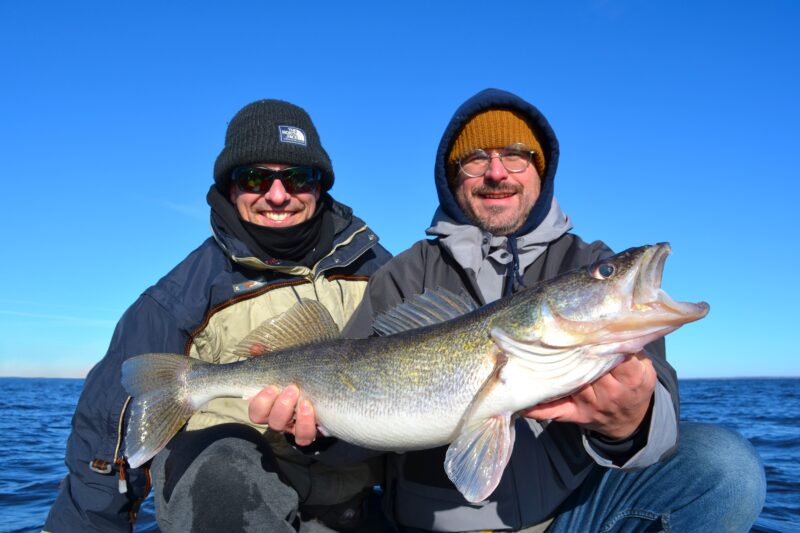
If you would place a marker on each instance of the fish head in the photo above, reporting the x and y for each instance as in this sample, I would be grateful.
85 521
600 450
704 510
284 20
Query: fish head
616 303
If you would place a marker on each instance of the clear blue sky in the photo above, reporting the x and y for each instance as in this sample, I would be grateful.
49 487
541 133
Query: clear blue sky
678 122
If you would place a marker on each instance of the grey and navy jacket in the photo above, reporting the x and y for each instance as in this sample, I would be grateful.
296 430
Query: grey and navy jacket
549 460
206 304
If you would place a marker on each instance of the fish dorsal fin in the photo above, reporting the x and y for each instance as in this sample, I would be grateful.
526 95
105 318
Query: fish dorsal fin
307 322
476 459
430 307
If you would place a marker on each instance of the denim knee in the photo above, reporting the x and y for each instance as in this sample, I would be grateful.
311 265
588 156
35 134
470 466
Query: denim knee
727 464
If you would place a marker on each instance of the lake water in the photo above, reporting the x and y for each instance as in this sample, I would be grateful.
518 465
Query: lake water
36 414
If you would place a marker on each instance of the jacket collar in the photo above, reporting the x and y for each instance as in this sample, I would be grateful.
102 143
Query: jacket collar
486 258
351 239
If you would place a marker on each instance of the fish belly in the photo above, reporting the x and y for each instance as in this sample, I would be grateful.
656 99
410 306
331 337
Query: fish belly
392 431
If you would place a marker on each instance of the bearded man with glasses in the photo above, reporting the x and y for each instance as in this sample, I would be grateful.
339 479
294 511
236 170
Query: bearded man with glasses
278 236
606 458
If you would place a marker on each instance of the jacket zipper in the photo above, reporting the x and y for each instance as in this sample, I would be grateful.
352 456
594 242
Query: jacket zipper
123 485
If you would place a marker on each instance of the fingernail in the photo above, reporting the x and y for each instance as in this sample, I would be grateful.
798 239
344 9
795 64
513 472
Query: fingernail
272 390
305 407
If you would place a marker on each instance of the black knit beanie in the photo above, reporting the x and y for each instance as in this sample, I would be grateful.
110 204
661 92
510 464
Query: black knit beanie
272 131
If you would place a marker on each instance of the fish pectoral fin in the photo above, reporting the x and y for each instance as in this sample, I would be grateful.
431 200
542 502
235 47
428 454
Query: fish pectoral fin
430 307
307 322
476 459
531 350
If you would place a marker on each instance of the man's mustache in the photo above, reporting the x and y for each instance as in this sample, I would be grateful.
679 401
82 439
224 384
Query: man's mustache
499 189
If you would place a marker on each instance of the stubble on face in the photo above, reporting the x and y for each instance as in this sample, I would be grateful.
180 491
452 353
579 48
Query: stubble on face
500 208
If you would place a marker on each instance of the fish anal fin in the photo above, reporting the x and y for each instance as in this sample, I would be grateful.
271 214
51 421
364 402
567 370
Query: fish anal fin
306 322
476 459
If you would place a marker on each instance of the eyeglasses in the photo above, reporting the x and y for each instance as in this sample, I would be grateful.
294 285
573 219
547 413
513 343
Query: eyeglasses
514 158
260 179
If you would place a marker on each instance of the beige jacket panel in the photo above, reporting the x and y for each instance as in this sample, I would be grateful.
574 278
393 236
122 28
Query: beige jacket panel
316 483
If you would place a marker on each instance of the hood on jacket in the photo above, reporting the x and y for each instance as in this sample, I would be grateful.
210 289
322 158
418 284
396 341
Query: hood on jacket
498 99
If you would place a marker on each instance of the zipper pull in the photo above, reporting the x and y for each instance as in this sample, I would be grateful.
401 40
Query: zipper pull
123 484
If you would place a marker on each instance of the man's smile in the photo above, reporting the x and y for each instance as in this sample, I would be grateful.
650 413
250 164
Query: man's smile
277 216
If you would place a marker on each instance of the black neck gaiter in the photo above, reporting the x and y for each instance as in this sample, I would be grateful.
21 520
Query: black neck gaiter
304 243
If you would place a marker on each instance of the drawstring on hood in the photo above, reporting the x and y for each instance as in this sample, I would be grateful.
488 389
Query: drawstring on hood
514 279
541 221
488 258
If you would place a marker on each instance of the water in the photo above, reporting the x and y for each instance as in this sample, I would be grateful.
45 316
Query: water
766 412
34 426
36 416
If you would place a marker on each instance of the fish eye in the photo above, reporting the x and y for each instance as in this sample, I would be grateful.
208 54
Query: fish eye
603 271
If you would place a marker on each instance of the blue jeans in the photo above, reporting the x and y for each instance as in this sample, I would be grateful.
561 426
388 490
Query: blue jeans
715 482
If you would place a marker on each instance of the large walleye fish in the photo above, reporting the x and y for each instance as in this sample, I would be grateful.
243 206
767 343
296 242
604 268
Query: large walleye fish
443 373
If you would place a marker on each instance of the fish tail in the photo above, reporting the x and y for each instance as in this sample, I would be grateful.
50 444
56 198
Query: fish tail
162 403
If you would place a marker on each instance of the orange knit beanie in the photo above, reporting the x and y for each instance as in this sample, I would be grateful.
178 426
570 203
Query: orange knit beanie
495 128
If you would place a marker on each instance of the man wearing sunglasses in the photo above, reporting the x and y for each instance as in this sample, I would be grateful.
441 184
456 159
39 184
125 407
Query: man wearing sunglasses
278 236
594 461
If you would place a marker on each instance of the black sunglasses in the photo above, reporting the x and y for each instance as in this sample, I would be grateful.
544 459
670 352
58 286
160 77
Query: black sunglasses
259 179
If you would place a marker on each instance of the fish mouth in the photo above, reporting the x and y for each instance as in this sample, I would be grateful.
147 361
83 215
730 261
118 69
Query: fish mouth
649 298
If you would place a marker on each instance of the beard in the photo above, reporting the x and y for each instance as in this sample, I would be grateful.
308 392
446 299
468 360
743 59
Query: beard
497 220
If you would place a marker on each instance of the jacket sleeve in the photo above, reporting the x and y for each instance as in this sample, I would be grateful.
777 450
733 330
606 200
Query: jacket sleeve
89 497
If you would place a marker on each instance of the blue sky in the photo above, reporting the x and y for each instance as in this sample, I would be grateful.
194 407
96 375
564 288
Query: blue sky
678 121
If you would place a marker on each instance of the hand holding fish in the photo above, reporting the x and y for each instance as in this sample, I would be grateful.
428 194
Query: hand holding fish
480 364
284 411
613 405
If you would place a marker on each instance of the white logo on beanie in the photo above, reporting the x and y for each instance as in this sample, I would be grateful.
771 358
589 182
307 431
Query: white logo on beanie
291 134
